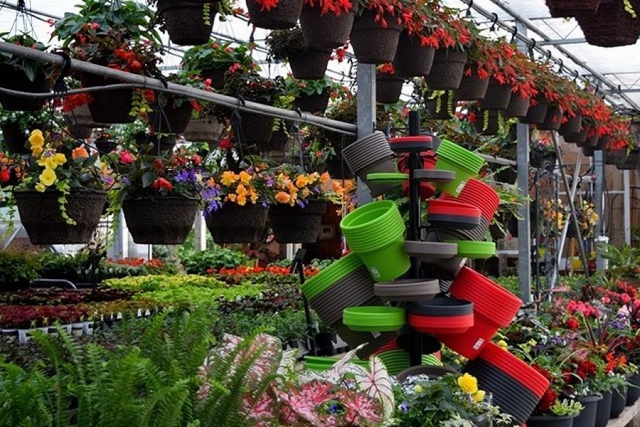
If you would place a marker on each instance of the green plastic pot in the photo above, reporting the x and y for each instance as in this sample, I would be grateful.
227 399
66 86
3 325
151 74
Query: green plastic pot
463 162
330 275
474 250
375 232
374 318
388 178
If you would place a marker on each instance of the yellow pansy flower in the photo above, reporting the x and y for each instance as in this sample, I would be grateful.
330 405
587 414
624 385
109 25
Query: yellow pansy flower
478 396
40 187
468 383
60 159
48 177
36 151
36 138
48 162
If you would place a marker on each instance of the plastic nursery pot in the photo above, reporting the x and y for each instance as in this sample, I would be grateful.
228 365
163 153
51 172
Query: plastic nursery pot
441 315
447 69
325 30
372 43
497 97
472 87
479 194
412 58
366 151
430 250
374 318
330 275
356 338
474 250
381 182
553 118
446 213
634 389
414 144
375 232
466 165
407 290
537 110
587 417
572 125
388 88
603 409
551 421
618 401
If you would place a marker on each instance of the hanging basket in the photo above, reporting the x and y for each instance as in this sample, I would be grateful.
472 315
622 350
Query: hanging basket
487 122
11 78
186 22
316 103
283 15
412 59
373 44
553 118
216 74
537 112
204 130
579 137
160 221
40 215
293 224
15 138
388 88
447 69
256 129
472 87
112 106
572 125
170 118
571 8
598 30
518 106
105 145
310 64
238 224
328 31
442 107
497 97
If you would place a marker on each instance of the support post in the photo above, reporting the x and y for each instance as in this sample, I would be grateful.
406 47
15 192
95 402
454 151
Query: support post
598 167
627 206
366 115
120 247
524 228
200 241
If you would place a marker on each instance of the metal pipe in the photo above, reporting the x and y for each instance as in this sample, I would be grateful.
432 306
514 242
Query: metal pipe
155 84
497 160
572 205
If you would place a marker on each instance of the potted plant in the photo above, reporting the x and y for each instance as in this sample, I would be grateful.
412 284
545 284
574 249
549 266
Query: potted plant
306 62
62 178
622 11
159 195
326 24
23 74
121 38
298 205
237 205
388 84
274 14
16 126
312 95
213 59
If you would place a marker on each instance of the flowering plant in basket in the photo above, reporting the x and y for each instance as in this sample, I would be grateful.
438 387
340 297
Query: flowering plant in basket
336 7
449 400
26 120
295 87
215 54
292 186
250 186
30 67
59 163
437 26
142 174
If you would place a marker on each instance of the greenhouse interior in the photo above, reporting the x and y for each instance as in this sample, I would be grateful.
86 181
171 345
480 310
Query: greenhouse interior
307 213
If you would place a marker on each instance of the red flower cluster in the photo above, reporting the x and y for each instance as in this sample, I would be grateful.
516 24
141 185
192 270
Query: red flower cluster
583 307
585 368
550 396
162 184
70 102
247 269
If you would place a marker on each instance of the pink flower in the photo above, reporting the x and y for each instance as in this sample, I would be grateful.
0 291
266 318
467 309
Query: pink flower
126 157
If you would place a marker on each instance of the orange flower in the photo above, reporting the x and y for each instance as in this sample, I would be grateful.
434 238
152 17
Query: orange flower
324 177
283 197
79 153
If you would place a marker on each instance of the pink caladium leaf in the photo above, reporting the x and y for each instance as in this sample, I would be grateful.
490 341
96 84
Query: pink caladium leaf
377 384
361 410
306 400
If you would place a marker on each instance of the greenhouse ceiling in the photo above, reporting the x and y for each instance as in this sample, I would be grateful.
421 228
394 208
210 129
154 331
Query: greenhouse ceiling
615 70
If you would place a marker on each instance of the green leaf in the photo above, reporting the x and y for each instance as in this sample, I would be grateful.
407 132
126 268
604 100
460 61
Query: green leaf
148 178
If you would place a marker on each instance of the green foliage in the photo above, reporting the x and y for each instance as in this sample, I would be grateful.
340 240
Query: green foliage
281 43
199 262
17 269
30 67
216 54
285 325
566 407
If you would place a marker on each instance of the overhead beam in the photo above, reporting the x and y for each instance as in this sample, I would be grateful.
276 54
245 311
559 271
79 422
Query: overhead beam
558 42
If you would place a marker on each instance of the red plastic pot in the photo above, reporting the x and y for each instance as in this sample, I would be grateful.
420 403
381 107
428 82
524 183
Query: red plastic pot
449 207
515 368
478 194
439 324
429 160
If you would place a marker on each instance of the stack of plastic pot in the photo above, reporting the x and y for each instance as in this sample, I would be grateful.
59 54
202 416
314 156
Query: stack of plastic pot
463 162
345 283
397 360
370 154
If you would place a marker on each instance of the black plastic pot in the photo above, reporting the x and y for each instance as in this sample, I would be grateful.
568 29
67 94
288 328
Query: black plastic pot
15 79
550 421
293 224
284 15
412 59
618 401
579 137
603 411
587 417
472 87
497 96
161 221
216 74
185 21
447 70
238 224
518 106
441 307
373 44
310 64
40 215
633 392
326 31
316 103
388 88
256 128
325 343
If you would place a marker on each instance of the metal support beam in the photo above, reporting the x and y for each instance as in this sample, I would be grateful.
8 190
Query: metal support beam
627 206
200 230
572 196
366 115
598 167
557 42
524 224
